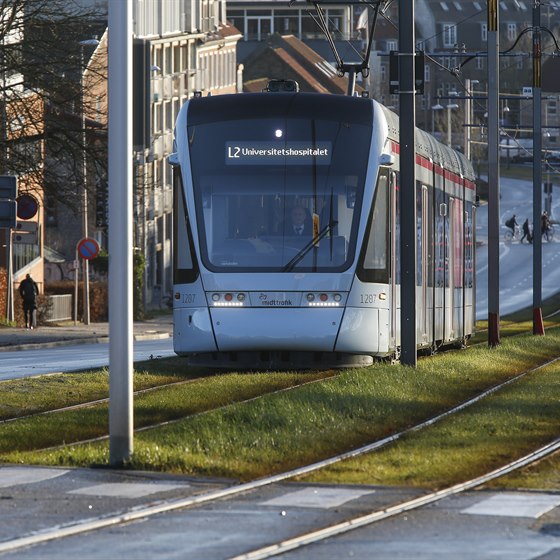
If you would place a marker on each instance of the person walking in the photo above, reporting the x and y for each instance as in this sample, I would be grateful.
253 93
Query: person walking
28 290
512 223
545 225
526 232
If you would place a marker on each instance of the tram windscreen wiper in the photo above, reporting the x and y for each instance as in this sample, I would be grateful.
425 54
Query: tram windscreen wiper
301 254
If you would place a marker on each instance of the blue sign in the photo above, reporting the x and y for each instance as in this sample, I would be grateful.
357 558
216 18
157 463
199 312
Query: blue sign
88 248
27 207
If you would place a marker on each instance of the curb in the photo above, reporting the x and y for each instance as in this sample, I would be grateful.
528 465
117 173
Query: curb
76 341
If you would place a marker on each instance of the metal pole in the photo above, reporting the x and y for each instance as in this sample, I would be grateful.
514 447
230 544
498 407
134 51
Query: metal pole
120 232
468 119
10 302
538 326
449 125
407 191
76 281
84 187
493 176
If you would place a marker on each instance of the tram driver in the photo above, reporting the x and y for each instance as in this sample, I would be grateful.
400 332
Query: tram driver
300 223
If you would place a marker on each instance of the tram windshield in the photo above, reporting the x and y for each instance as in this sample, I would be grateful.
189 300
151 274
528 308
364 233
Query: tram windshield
278 194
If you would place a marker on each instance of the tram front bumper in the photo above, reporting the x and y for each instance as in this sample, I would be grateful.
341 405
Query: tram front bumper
296 329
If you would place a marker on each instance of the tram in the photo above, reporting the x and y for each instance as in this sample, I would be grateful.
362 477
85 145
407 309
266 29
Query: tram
251 292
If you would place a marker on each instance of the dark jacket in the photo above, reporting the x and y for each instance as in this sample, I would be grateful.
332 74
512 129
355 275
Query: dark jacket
28 290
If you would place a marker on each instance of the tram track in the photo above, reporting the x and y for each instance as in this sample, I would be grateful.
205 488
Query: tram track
396 509
146 427
143 512
140 392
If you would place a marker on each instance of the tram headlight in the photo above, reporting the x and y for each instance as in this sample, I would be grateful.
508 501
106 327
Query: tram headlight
228 299
323 299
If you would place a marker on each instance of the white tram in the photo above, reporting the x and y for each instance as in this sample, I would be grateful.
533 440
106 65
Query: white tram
250 291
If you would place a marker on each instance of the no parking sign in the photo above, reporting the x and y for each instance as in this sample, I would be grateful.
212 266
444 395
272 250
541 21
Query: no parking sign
88 248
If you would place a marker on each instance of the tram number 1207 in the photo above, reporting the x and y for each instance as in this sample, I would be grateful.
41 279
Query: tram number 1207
367 298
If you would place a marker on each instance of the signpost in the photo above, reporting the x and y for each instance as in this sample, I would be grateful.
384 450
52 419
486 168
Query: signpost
88 249
8 211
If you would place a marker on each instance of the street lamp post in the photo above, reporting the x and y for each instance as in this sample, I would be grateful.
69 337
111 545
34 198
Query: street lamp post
83 44
449 107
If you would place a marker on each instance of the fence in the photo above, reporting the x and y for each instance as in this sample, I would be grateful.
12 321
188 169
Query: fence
58 308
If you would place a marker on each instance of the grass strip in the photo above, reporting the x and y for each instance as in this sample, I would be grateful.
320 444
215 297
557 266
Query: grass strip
20 397
161 405
282 431
498 430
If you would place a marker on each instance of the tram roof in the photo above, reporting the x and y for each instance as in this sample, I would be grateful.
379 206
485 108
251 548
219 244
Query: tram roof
428 147
256 105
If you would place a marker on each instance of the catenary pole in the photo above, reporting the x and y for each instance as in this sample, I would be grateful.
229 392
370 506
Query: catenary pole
493 176
407 186
538 326
120 232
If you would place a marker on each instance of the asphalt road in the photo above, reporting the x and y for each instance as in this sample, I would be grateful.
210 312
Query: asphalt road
17 364
516 259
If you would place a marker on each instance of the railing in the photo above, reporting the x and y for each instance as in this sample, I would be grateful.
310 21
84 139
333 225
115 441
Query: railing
59 308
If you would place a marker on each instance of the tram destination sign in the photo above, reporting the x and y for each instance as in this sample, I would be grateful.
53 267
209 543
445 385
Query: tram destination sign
275 153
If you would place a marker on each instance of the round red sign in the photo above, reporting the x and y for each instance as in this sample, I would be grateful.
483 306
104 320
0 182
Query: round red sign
88 248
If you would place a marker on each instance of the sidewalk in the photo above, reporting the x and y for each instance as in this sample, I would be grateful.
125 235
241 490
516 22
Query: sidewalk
16 338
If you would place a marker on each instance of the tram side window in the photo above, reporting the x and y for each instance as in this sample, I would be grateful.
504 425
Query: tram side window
184 268
374 260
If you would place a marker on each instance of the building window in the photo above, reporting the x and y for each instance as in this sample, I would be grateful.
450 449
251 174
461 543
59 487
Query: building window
511 31
449 34
484 31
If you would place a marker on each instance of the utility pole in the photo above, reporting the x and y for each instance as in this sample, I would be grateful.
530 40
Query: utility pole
407 187
120 233
468 119
538 326
493 176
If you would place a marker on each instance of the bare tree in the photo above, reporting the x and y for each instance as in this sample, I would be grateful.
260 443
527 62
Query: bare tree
42 64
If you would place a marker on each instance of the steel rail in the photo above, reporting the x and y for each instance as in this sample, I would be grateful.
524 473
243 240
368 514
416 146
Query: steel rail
381 514
143 512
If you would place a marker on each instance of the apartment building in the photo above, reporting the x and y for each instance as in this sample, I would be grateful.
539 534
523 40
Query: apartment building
178 48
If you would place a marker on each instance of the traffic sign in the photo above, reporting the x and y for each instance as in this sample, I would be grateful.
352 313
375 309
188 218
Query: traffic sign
8 186
7 214
88 248
27 206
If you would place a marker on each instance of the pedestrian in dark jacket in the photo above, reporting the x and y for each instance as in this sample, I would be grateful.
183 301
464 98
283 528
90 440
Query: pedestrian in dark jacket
29 291
527 232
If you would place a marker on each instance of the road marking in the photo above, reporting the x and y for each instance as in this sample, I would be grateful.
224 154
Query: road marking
515 505
127 489
317 497
12 476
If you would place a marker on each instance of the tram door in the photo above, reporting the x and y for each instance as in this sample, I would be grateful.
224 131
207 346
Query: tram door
422 219
456 265
395 265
